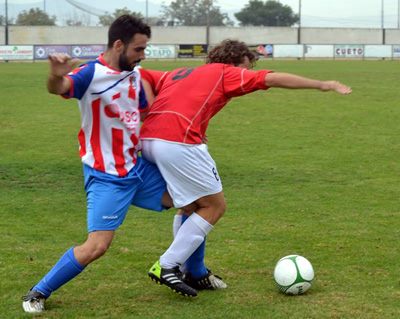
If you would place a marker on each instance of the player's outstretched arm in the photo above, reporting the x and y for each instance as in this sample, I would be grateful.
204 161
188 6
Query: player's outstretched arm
291 81
60 65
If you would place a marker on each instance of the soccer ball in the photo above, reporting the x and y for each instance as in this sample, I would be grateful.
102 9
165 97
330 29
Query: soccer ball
293 274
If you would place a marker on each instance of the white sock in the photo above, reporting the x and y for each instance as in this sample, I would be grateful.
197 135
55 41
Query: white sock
176 224
189 236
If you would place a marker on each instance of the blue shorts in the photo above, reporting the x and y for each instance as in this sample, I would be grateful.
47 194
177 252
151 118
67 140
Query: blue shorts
109 197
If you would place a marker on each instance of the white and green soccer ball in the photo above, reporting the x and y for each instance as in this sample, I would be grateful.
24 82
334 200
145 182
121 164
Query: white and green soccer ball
293 274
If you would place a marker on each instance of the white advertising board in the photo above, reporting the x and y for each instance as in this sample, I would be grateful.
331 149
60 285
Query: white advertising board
396 51
288 51
159 51
318 51
378 51
16 52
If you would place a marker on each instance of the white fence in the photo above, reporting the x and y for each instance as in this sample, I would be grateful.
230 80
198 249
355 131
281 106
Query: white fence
162 51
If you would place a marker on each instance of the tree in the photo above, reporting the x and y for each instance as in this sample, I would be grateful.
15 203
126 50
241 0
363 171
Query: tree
195 13
3 20
35 17
107 19
270 13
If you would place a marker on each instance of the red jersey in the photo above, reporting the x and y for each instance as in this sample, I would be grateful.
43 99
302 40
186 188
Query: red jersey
154 77
187 98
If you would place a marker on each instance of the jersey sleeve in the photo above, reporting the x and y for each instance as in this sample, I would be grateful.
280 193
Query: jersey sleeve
143 104
80 79
239 81
154 78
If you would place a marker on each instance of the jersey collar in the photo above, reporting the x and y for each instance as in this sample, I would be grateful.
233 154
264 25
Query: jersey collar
102 61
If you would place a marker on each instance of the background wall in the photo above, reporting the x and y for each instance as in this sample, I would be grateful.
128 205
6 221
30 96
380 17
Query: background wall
20 35
335 36
392 36
255 35
2 34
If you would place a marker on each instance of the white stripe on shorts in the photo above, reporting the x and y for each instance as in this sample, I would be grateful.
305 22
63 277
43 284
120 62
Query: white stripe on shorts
189 170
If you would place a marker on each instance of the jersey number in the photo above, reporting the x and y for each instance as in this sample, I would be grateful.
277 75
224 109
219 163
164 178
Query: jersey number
215 174
182 74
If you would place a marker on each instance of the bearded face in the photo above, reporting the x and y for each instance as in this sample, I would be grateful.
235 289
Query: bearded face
125 64
133 52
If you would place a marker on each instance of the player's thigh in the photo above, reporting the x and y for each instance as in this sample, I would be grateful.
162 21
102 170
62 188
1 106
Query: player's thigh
108 201
152 193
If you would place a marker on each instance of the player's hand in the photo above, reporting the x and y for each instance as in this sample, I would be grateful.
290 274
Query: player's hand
61 64
336 86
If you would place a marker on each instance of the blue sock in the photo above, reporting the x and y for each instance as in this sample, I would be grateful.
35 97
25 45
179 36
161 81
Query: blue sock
63 271
195 264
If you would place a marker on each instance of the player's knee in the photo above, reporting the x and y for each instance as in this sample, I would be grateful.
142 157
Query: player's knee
218 208
96 251
94 248
101 249
215 203
221 207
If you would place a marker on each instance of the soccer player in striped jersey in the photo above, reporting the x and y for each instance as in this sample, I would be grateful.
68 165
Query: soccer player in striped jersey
110 97
173 131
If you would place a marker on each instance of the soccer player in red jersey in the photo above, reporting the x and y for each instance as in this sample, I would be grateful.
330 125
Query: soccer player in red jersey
175 127
194 272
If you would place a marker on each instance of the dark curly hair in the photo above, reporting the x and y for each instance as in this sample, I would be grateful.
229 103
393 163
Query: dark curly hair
231 52
125 27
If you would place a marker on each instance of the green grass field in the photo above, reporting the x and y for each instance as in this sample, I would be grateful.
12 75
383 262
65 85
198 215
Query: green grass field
304 172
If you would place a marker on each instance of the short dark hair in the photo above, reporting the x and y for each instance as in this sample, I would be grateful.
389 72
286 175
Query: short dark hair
125 27
231 52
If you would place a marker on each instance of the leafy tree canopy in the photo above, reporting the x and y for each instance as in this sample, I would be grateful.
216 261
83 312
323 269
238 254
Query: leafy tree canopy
107 19
269 13
195 13
35 16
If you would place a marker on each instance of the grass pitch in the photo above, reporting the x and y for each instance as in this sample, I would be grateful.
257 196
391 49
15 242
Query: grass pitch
304 172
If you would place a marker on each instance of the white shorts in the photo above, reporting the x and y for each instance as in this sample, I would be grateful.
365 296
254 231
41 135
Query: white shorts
189 170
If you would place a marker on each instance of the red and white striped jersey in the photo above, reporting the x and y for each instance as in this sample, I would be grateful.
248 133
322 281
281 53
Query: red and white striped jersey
188 98
110 103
